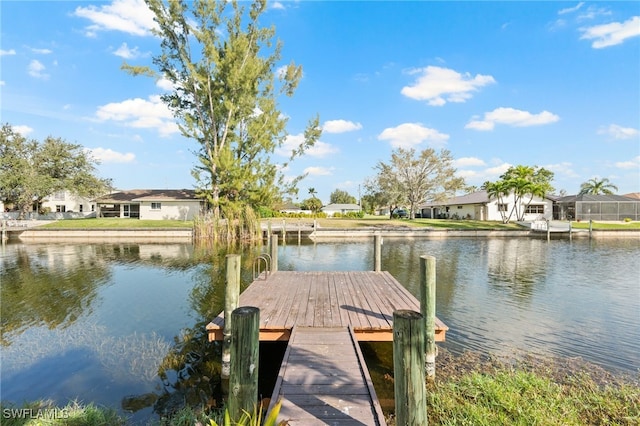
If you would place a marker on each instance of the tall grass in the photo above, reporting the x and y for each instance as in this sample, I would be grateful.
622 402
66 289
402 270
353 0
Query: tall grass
234 225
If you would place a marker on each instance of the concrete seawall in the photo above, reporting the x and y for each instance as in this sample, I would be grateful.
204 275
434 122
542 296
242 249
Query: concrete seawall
185 235
101 234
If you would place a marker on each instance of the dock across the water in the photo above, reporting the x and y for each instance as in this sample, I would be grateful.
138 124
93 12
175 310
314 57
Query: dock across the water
323 378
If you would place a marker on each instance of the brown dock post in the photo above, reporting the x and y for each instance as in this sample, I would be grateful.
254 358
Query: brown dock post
570 231
377 252
231 295
245 344
274 253
428 310
408 368
590 227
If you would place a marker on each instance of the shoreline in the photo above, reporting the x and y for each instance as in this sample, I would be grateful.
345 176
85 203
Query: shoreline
322 234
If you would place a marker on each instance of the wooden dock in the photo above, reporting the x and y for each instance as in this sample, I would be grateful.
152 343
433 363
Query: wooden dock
323 378
362 300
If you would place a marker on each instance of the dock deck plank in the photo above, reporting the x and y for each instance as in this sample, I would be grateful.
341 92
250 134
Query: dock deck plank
363 300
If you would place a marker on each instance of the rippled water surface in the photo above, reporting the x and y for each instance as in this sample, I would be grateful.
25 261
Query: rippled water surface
98 322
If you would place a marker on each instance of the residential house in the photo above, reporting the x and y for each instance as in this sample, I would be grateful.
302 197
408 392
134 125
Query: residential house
332 209
68 202
154 204
478 206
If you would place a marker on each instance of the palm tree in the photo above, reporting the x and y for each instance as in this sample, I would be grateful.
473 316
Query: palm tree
312 192
595 187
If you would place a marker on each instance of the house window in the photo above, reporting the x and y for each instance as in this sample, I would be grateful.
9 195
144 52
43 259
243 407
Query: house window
125 211
460 207
156 206
61 208
535 209
503 207
58 196
93 207
81 208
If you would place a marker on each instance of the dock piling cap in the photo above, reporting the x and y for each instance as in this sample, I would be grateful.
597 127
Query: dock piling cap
407 314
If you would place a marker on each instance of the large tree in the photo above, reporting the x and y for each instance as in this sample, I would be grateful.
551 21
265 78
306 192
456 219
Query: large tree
597 186
413 178
519 184
340 196
222 65
31 171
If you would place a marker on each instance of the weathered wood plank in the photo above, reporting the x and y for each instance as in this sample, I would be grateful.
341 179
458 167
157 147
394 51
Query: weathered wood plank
363 300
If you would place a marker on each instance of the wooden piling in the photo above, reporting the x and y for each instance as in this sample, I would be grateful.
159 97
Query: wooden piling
548 231
274 253
245 344
284 231
232 293
428 310
590 227
408 368
377 252
570 232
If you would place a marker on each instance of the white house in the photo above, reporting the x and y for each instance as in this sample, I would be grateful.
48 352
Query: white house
68 202
154 204
332 209
478 206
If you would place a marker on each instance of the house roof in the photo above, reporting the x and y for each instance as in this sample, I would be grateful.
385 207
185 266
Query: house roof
634 195
149 195
341 207
478 197
595 198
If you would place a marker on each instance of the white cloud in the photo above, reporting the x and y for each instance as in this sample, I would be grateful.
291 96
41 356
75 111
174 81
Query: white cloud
23 130
613 33
125 52
42 51
2 83
129 16
408 135
277 5
565 168
634 163
440 85
292 142
497 171
511 117
469 162
570 9
109 156
618 132
340 126
318 171
7 52
165 84
36 69
140 113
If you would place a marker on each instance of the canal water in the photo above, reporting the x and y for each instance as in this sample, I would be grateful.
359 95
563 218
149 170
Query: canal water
122 324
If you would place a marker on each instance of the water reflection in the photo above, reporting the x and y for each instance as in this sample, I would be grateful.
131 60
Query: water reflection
124 324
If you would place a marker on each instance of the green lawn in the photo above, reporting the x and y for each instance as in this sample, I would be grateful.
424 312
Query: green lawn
367 221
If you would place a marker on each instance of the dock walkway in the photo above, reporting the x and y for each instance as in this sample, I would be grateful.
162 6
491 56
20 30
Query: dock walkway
324 380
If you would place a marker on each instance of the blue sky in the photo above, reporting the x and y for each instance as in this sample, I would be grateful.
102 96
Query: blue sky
551 84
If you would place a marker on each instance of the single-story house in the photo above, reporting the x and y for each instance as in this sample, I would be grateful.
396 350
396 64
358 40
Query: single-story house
478 206
597 207
155 204
332 209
